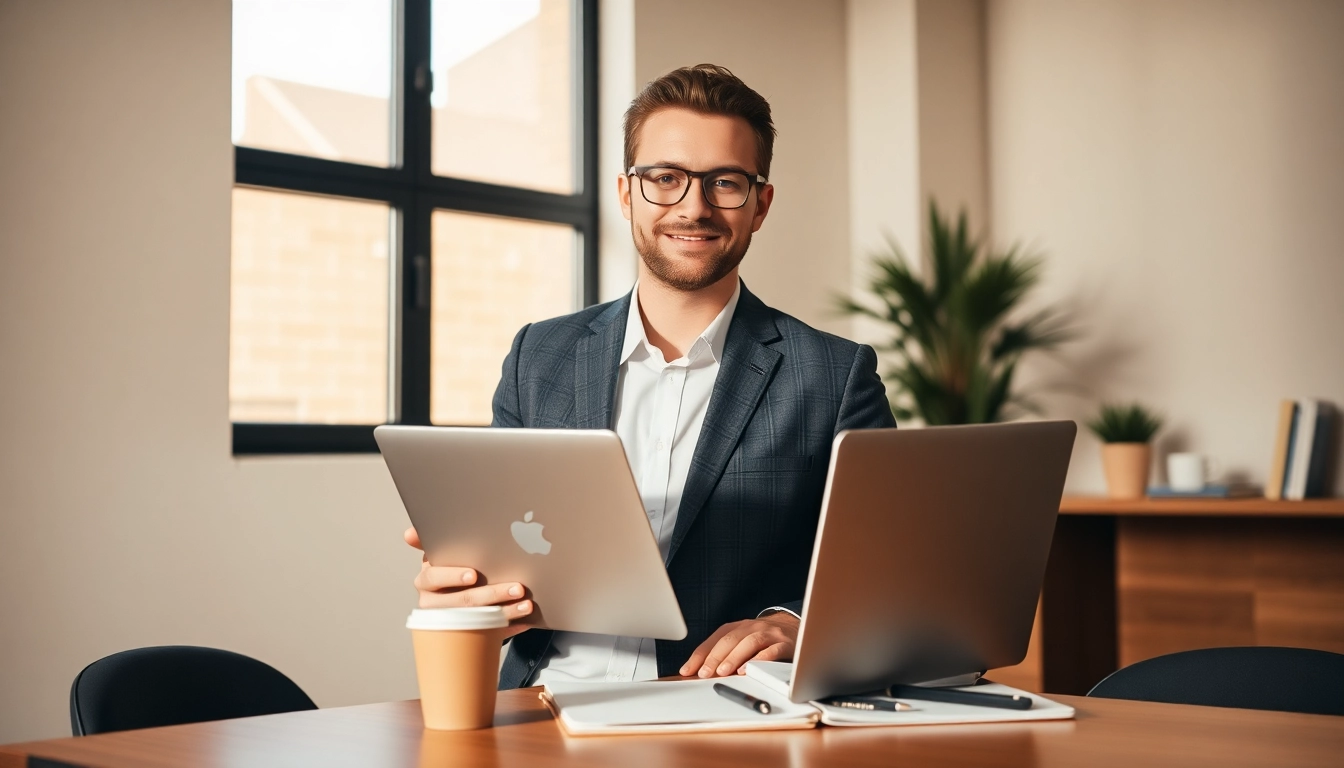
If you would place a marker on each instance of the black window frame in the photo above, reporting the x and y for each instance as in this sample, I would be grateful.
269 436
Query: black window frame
414 193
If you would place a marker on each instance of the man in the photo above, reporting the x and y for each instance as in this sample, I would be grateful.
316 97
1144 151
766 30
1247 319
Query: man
726 408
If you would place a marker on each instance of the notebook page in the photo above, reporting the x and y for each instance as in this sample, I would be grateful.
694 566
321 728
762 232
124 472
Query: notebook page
606 705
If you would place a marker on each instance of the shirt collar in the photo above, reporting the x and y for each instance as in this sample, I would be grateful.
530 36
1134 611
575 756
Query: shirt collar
713 338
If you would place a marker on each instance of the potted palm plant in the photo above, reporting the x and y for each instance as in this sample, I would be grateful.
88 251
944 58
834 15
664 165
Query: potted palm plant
956 338
1126 432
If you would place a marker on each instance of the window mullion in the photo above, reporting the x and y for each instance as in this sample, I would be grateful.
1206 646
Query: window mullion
416 307
417 85
416 264
588 160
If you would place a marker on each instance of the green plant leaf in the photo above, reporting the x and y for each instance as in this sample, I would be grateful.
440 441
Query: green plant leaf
1045 329
955 347
1129 423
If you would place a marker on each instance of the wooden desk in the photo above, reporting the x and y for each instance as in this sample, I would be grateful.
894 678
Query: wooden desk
1106 733
1133 579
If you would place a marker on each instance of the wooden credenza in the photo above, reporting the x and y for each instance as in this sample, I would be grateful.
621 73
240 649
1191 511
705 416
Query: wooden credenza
1133 579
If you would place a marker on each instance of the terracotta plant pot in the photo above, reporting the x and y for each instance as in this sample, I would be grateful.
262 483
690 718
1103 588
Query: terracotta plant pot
1126 466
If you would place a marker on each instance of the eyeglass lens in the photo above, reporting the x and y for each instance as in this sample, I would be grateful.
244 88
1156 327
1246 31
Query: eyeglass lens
722 189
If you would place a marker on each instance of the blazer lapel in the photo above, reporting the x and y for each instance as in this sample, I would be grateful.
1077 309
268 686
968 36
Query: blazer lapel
597 366
744 373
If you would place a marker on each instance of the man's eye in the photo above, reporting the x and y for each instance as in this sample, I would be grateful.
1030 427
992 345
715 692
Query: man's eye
666 179
726 184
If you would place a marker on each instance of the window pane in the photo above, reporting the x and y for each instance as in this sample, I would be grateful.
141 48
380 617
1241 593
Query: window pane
503 93
492 276
308 321
314 78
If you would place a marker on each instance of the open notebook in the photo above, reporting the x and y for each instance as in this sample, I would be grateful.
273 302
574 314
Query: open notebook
692 706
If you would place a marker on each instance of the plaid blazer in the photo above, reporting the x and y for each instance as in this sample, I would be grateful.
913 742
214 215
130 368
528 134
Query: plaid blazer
744 532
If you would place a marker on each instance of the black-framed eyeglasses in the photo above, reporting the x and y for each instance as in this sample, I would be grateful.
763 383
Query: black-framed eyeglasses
722 188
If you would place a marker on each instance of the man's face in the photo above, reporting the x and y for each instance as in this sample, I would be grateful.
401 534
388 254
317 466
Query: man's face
692 245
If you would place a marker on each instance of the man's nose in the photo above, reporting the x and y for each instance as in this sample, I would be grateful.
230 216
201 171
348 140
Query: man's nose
693 205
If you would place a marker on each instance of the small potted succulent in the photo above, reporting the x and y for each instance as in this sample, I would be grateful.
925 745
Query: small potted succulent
1126 431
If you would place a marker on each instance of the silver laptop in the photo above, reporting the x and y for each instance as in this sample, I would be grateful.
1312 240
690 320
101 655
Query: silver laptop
557 510
930 554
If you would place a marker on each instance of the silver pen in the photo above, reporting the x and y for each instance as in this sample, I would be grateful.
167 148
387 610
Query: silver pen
868 703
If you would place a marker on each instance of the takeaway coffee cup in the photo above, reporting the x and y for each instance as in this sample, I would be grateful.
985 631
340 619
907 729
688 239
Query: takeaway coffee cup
457 664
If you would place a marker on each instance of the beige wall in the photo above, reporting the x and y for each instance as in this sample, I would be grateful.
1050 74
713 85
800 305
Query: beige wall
123 519
917 128
793 53
882 82
953 141
617 86
1181 163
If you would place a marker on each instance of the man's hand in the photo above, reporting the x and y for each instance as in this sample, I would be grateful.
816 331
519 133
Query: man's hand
770 638
448 586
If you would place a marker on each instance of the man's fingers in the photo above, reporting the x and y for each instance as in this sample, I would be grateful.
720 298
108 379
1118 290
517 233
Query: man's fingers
517 609
501 594
490 594
782 651
776 652
448 586
697 659
434 577
733 645
513 611
721 649
745 650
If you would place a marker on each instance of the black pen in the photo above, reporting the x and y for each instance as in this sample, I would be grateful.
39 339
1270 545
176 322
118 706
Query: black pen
746 700
869 703
954 696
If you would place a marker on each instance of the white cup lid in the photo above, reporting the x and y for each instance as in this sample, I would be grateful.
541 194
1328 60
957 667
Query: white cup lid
483 617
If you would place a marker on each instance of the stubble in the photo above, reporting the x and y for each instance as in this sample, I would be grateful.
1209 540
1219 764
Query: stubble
684 273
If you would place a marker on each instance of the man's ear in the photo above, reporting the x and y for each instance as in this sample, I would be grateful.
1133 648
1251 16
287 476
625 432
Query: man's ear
764 198
623 191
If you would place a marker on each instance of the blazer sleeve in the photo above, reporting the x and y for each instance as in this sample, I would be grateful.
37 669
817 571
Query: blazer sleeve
864 405
508 411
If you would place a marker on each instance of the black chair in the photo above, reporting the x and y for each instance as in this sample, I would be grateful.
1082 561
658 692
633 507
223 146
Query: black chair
1264 677
176 684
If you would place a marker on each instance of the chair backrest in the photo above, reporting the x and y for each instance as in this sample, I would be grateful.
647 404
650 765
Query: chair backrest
1264 677
175 684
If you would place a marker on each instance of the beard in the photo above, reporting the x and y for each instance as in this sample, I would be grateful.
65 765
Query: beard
686 274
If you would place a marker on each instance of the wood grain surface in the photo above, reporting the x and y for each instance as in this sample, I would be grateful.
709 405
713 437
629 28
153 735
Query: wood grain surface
1106 733
1259 507
1188 573
1189 583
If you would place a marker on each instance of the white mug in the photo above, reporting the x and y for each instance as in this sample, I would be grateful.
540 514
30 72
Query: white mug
1188 471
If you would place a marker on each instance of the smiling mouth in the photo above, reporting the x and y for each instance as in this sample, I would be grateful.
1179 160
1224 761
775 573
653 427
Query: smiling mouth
693 238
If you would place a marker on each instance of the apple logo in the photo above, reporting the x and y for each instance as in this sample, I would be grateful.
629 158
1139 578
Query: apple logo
528 535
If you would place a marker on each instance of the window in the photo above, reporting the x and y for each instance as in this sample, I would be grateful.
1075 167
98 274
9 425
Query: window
415 180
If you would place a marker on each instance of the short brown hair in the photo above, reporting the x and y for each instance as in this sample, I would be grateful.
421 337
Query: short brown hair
708 89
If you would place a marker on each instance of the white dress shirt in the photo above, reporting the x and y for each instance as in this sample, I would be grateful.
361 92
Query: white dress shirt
660 408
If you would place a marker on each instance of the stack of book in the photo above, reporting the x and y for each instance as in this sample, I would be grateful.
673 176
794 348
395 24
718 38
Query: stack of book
1301 445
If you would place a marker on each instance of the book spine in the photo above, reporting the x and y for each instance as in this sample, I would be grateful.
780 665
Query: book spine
1296 488
1320 449
1279 460
1288 453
